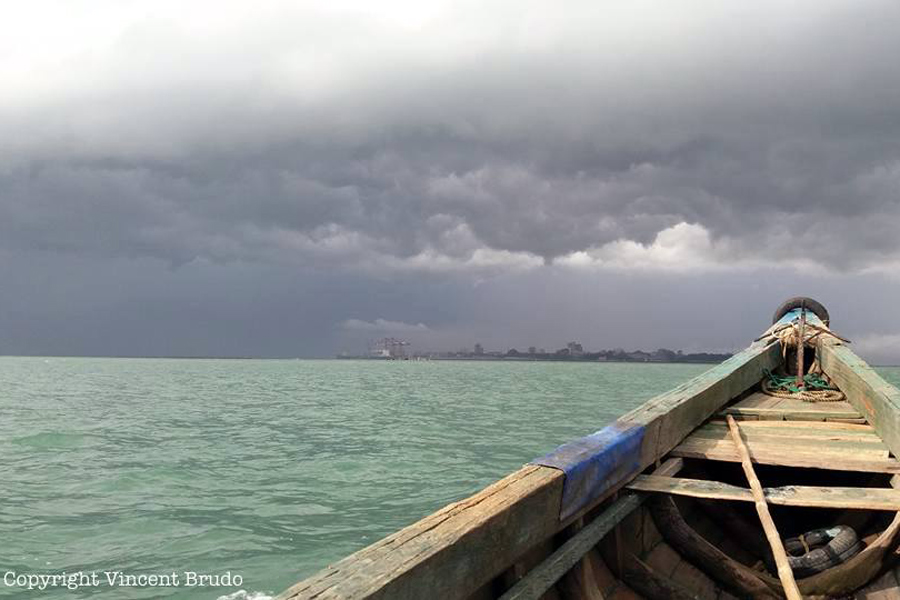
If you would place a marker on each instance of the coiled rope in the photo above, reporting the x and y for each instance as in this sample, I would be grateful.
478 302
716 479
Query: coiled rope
815 388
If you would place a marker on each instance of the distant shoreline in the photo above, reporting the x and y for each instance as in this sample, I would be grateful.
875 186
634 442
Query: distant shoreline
369 358
529 359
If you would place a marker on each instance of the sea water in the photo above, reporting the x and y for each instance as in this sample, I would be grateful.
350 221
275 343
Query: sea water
233 479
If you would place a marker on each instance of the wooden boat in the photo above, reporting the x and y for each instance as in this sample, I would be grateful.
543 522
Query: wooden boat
657 504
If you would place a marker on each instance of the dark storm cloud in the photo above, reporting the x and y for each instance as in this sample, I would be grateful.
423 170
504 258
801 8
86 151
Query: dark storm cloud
337 140
213 178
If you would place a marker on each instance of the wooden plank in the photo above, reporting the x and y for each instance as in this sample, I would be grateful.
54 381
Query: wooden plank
768 446
803 429
793 495
781 414
543 576
805 425
445 555
460 548
839 441
706 449
877 400
883 588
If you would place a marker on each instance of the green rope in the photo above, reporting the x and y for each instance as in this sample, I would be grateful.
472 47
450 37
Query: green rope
811 381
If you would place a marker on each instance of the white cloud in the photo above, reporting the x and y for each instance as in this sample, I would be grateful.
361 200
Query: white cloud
878 348
685 247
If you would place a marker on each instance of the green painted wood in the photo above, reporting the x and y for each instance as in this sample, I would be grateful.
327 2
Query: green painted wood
876 399
542 577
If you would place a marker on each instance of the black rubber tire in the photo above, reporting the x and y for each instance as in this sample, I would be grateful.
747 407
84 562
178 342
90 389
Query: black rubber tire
829 548
814 306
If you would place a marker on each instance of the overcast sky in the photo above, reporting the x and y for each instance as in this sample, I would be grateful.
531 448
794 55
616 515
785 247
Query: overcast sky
295 178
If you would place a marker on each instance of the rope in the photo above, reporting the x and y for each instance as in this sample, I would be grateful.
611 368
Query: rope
815 388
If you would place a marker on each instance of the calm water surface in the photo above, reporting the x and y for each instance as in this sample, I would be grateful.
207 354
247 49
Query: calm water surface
267 469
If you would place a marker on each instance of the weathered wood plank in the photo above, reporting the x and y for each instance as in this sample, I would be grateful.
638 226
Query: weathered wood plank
838 442
542 577
876 399
793 495
766 446
883 588
780 414
801 429
863 428
835 461
452 552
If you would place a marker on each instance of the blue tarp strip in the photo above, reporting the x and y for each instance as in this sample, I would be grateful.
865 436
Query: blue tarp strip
595 463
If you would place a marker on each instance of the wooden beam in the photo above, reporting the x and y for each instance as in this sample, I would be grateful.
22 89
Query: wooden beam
801 429
835 461
792 495
542 577
452 552
781 561
862 428
853 443
876 399
789 414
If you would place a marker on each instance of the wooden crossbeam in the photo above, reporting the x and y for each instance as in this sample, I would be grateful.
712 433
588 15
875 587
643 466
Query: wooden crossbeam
764 406
791 430
793 457
791 440
804 425
792 495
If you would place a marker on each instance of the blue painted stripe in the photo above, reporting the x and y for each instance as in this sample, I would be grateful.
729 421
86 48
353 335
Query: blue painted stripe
811 317
595 464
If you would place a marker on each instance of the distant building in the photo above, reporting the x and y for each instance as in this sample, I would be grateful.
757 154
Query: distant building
388 348
574 349
532 350
479 350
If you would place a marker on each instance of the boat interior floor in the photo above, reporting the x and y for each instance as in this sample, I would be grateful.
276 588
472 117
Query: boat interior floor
820 465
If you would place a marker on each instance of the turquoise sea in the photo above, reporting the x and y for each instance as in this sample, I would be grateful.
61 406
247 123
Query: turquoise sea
264 469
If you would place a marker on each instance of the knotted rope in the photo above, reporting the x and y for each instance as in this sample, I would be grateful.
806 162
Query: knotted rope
816 388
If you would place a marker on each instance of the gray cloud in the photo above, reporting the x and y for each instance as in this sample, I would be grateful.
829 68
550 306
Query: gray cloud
308 136
457 143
